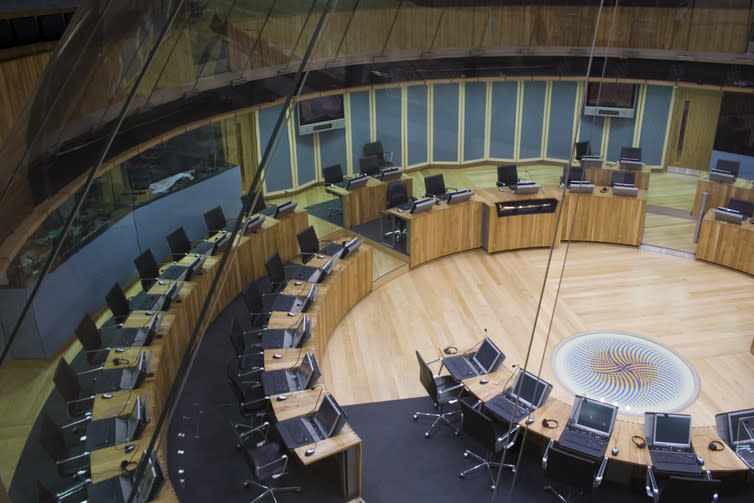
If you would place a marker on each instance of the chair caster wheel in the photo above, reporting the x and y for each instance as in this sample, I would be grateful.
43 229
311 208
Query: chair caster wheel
465 454
426 435
461 475
492 487
416 417
246 485
457 433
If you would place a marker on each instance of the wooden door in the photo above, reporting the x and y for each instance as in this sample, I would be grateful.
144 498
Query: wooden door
692 128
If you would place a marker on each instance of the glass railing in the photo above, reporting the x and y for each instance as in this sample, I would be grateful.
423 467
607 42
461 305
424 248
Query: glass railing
150 116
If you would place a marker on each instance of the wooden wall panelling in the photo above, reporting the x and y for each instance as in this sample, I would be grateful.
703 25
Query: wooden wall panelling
18 79
368 31
415 28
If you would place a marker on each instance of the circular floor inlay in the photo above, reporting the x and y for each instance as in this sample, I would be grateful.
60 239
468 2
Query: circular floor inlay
627 370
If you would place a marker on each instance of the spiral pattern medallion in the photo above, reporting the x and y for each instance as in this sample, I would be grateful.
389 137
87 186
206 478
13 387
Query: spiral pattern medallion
630 371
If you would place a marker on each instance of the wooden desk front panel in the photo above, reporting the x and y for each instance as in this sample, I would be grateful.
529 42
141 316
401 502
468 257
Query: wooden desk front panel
604 218
720 193
254 248
727 244
518 231
286 243
602 177
443 230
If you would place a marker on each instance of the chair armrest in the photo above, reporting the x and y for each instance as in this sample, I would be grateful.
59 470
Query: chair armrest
507 440
278 473
456 387
262 429
255 402
650 485
547 453
600 472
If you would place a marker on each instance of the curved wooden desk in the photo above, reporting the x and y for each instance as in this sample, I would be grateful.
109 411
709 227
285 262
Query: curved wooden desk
604 217
365 203
602 177
720 193
728 244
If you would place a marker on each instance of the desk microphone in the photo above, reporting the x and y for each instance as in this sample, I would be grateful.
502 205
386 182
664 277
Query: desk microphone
510 376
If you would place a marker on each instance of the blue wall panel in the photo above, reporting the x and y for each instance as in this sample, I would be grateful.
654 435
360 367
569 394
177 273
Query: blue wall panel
473 125
416 124
532 118
279 176
332 148
360 134
387 108
656 112
503 120
592 128
560 132
621 135
445 123
304 156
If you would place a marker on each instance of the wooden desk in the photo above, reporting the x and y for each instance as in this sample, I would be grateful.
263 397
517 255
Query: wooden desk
441 231
105 463
604 217
516 231
724 243
603 176
346 444
365 204
720 193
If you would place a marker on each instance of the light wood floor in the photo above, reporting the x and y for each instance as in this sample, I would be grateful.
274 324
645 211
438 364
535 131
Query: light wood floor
702 311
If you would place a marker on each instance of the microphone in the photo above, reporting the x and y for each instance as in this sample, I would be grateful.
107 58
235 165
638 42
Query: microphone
510 376
316 402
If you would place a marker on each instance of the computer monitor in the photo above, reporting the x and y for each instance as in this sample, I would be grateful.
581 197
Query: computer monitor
170 295
391 174
459 196
142 367
194 267
488 356
152 328
595 416
421 205
625 177
285 209
728 166
530 390
746 208
630 153
369 165
574 173
357 182
329 416
253 224
741 427
671 430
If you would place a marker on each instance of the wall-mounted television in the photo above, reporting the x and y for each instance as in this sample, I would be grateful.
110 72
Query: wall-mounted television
321 114
610 99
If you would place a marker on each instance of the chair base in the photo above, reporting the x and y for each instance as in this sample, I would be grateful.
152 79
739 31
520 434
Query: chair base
561 497
486 463
439 417
269 491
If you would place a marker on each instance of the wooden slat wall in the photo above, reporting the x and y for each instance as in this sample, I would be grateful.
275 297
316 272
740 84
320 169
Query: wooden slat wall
18 78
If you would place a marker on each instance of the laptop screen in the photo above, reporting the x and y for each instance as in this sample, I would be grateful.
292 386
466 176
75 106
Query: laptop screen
328 415
672 430
305 370
741 427
529 389
487 355
594 416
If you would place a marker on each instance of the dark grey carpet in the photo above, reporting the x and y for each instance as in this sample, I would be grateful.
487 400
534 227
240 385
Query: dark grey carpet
374 231
331 211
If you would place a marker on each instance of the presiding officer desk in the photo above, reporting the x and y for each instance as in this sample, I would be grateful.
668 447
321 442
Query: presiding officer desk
724 460
365 203
725 243
720 193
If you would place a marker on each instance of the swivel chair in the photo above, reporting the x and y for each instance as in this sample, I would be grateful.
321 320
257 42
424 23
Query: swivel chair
249 357
252 402
507 175
267 461
88 335
78 401
249 199
369 165
583 148
434 185
443 390
622 177
52 440
375 149
686 489
332 174
494 435
215 220
576 474
149 270
745 207
630 153
397 195
571 173
276 272
257 305
121 306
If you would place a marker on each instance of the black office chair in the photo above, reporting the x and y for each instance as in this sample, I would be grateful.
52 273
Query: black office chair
53 441
573 473
308 242
332 174
254 201
369 165
249 355
267 461
687 489
89 336
621 177
583 148
121 306
443 390
572 173
397 194
257 305
434 185
78 401
275 271
179 243
492 434
630 153
148 269
507 175
216 222
745 207
375 149
252 402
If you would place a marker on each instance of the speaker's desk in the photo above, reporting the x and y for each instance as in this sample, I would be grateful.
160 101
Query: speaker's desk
443 230
346 444
720 193
365 203
725 243
512 232
604 217
603 176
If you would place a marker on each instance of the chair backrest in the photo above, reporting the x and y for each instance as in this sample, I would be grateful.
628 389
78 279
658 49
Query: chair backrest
622 177
147 267
253 300
117 302
374 148
478 425
308 241
583 148
248 199
179 243
51 438
574 173
434 185
231 371
332 174
742 205
631 153
571 469
215 219
235 334
396 194
689 490
66 381
369 165
507 175
426 378
275 268
728 165
88 334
